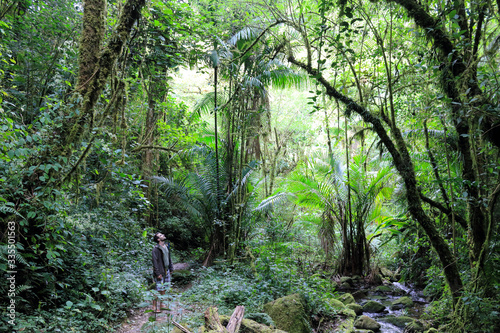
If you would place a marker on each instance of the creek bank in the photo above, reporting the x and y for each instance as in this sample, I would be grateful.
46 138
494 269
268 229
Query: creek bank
393 306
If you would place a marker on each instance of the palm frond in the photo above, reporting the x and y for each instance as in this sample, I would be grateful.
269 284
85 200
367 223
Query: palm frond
245 34
270 203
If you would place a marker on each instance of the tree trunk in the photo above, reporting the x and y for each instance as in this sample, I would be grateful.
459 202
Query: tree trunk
407 173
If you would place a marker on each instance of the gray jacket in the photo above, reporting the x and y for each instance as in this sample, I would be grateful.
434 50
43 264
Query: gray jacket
158 264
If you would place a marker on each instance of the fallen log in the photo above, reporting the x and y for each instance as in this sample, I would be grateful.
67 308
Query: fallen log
179 326
212 320
235 321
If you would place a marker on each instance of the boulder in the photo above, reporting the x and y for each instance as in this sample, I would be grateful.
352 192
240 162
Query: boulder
345 285
261 318
335 304
181 266
367 323
288 313
402 302
358 309
373 306
347 298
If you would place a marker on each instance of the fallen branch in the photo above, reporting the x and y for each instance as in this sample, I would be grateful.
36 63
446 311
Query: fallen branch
179 326
235 321
212 320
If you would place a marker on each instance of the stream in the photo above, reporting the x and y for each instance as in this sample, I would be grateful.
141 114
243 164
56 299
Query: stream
386 298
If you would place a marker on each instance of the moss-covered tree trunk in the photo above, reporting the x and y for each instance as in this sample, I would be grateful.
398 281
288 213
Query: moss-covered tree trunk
407 172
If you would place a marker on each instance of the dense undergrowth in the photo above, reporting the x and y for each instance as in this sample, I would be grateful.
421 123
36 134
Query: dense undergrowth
102 271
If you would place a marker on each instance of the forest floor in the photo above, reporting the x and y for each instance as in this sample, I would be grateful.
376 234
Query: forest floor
138 317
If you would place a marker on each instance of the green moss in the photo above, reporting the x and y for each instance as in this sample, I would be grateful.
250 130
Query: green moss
402 302
347 299
358 309
373 306
365 322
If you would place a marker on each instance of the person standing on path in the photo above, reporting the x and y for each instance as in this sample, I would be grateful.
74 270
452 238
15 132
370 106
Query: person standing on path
162 266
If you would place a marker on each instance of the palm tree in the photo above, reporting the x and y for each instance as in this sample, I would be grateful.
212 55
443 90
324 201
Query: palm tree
325 186
202 198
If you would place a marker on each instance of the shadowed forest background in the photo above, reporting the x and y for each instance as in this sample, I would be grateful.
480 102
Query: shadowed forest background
283 147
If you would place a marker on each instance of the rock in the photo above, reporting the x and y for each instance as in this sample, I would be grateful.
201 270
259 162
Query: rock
261 318
402 302
345 285
358 309
288 313
335 304
398 321
349 313
347 299
383 289
367 323
182 277
373 306
347 325
363 331
181 266
346 279
251 326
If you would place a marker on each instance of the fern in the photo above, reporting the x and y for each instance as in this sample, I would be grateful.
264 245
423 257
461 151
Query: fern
6 209
4 253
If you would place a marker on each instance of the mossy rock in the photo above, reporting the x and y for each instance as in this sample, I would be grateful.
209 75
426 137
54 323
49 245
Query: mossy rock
182 277
347 325
367 323
251 326
398 321
383 289
345 285
373 306
335 304
261 318
346 279
402 302
363 331
358 309
347 298
288 313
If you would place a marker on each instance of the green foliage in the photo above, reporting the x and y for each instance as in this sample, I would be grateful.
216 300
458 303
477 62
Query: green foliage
97 271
